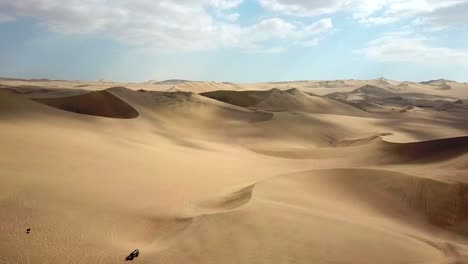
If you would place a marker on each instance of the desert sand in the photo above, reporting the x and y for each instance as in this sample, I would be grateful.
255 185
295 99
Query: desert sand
345 171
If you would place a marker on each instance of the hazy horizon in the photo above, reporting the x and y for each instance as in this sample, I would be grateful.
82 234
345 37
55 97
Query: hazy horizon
223 81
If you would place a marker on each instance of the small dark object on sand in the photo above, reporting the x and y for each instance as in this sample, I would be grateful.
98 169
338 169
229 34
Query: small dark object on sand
133 255
28 230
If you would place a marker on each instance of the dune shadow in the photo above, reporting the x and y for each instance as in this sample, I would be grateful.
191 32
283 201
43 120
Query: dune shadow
99 103
425 151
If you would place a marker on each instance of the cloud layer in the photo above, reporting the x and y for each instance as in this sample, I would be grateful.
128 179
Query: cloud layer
196 25
166 25
433 12
408 47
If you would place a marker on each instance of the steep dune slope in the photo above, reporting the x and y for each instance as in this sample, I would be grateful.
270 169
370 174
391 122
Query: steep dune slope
427 151
99 103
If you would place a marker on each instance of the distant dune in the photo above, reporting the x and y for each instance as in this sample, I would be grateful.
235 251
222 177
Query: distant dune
387 99
282 101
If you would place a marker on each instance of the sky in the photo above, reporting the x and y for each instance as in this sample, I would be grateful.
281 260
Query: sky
234 40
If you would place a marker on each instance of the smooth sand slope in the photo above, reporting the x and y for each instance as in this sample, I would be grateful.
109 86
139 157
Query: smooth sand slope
205 172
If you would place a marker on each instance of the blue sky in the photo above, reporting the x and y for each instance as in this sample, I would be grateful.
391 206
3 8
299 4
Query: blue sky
234 40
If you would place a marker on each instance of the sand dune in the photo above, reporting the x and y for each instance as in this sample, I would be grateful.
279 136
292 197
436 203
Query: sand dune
368 207
390 99
441 203
207 172
282 101
101 103
427 151
457 90
187 105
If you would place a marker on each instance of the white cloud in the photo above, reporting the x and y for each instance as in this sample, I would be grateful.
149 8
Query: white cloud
225 4
271 50
321 7
232 17
383 20
436 13
164 25
456 14
276 29
310 43
283 29
407 47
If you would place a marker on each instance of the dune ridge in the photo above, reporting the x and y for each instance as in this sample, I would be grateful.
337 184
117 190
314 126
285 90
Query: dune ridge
276 100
